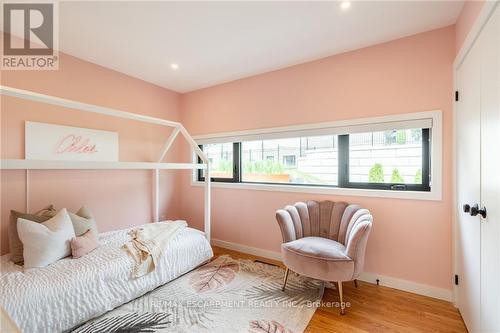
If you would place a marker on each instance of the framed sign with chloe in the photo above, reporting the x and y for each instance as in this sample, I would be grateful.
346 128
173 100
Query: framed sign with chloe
66 143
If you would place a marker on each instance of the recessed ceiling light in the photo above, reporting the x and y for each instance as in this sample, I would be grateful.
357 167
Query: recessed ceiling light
174 66
345 5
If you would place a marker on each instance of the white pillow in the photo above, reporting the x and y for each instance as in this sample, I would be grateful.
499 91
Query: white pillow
83 221
47 242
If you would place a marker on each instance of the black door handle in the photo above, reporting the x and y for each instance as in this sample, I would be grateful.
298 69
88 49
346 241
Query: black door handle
475 210
466 208
482 212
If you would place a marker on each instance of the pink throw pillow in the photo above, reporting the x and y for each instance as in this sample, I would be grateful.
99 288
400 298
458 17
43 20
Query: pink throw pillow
83 244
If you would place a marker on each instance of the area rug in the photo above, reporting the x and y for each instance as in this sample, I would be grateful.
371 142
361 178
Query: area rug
225 295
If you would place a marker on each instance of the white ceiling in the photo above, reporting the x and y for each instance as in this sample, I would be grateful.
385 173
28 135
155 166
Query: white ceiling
216 42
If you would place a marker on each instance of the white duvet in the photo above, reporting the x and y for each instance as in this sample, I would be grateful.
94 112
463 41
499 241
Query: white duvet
72 291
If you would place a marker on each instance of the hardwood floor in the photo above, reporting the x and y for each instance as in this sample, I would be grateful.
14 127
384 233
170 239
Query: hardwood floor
377 309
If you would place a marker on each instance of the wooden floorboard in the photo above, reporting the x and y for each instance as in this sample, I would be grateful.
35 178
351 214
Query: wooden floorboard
377 309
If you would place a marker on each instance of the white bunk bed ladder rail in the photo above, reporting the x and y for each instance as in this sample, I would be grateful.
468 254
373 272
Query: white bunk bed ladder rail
23 164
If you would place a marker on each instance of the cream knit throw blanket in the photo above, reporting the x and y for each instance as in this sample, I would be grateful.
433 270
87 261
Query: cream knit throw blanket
148 243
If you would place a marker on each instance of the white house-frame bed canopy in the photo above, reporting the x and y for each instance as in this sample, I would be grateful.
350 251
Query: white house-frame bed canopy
24 164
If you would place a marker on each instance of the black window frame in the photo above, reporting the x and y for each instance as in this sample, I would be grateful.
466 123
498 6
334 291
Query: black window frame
236 167
343 170
344 166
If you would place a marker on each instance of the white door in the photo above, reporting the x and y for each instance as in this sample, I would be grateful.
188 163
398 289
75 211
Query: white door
468 170
489 41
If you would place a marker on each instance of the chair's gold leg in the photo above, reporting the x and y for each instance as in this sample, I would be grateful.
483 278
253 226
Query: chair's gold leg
341 295
355 283
286 278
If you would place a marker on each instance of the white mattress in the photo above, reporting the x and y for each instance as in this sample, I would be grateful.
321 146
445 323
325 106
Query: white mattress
71 291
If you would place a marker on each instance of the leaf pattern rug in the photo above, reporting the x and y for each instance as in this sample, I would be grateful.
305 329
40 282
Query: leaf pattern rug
225 295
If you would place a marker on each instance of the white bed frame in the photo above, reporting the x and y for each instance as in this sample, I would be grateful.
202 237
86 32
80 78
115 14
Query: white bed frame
23 164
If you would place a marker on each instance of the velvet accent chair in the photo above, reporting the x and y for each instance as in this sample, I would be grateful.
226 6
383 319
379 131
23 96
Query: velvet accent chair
324 240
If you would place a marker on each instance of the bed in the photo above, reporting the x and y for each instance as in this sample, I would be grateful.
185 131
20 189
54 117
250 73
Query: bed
71 291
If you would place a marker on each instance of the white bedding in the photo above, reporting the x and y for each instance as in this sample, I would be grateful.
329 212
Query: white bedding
71 291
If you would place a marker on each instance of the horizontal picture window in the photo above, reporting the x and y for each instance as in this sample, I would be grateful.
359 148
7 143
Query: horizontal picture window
386 159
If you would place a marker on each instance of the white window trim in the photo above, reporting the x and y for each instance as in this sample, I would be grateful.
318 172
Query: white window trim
436 158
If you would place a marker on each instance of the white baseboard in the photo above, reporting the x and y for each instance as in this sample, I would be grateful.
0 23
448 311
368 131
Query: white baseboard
247 249
387 281
409 286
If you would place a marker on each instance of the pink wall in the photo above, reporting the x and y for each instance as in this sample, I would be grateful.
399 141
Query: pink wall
118 199
466 19
411 239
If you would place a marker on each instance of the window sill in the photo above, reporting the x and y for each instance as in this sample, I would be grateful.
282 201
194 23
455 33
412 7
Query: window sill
410 195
